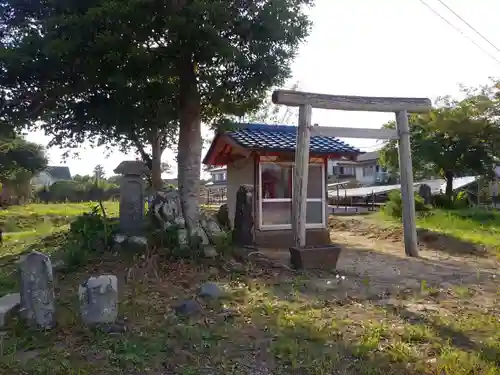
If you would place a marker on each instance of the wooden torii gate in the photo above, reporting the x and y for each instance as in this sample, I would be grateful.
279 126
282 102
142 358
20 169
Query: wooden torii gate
400 106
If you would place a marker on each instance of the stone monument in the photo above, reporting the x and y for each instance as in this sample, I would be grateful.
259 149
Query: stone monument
37 290
243 217
99 300
425 192
132 196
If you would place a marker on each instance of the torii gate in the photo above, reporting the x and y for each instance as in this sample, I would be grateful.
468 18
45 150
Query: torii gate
400 106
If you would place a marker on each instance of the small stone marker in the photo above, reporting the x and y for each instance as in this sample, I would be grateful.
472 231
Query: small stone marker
37 290
211 290
188 308
425 192
7 304
131 196
99 300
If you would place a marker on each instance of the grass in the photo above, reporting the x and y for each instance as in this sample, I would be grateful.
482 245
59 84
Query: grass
278 321
40 216
475 226
39 227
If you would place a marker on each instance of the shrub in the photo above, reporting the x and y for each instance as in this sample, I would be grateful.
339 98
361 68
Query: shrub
394 206
91 228
224 244
442 201
89 233
460 201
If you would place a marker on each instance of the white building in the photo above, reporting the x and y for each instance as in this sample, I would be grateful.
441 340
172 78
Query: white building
365 170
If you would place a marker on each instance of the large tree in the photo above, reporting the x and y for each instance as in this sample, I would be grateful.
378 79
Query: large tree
457 138
120 70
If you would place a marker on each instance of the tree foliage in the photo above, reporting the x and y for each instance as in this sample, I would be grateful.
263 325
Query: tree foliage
135 71
20 160
457 138
19 157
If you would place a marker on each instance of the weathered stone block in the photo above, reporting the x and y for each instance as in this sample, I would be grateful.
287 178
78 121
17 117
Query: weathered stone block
425 192
37 290
166 208
211 290
315 257
132 197
183 237
8 304
210 227
99 300
188 308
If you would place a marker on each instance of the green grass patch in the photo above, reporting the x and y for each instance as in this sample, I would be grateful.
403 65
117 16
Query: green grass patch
472 225
475 226
32 216
274 326
40 227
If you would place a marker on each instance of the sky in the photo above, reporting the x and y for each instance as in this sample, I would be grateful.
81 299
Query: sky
371 48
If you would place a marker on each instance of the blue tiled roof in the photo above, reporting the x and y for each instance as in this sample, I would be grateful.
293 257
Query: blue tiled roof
283 138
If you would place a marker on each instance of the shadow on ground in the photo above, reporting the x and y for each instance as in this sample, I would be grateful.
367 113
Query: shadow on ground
429 239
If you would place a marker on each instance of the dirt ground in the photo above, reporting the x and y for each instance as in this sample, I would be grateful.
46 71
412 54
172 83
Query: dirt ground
373 264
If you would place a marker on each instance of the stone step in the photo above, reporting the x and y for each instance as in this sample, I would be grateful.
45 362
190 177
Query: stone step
7 304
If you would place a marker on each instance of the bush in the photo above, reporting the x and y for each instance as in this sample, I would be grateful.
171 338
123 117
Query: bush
460 201
90 232
394 206
442 201
224 244
76 191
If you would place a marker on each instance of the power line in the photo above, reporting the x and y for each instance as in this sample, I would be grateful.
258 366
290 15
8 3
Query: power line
460 31
470 26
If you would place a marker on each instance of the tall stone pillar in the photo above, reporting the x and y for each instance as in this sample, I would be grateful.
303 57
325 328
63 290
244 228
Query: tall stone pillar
132 196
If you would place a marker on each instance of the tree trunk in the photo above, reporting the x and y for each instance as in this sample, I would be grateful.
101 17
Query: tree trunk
448 175
189 146
156 151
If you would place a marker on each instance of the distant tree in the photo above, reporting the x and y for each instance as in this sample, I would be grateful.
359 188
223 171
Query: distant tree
114 180
67 190
84 178
456 138
98 173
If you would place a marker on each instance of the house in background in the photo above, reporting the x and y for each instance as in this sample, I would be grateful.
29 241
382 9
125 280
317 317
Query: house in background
369 171
216 188
262 156
51 175
364 170
342 170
